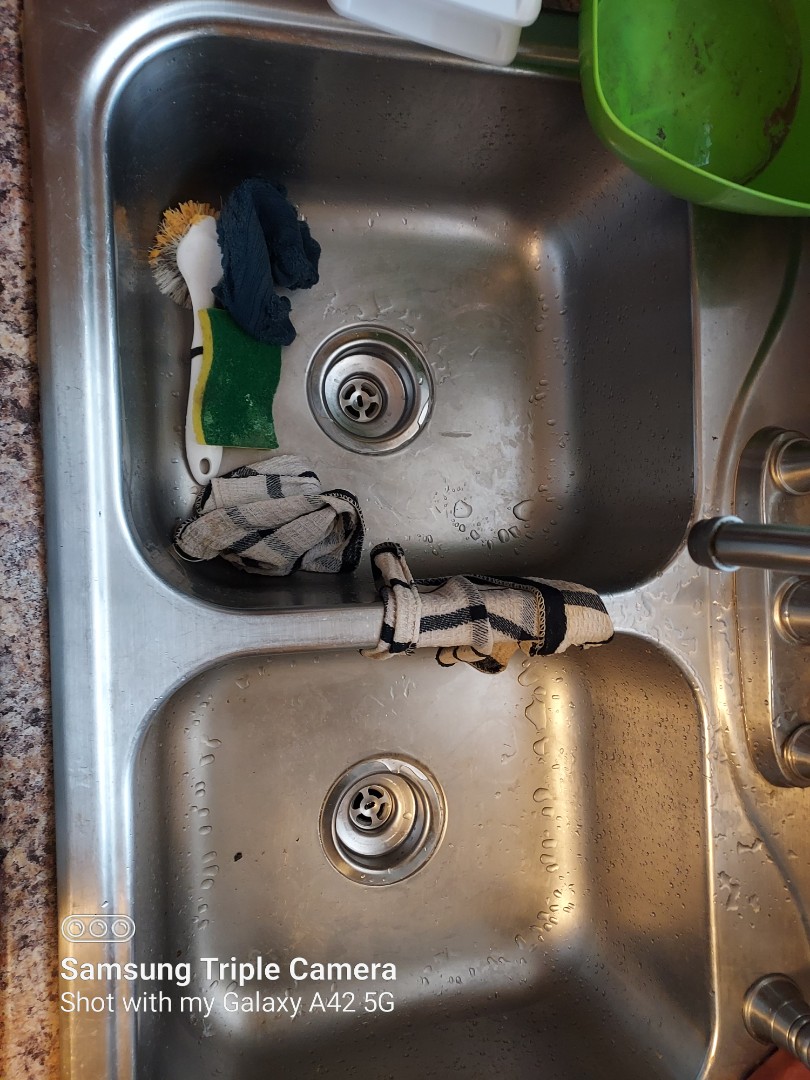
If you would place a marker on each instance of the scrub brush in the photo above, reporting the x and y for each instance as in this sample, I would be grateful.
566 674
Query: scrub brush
186 264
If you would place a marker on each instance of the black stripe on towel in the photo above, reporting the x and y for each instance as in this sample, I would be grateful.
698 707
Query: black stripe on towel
451 619
241 473
400 647
583 599
249 540
354 549
394 646
556 619
511 629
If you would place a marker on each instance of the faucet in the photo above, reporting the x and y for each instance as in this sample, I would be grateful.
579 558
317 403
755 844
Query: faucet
774 1011
774 468
727 543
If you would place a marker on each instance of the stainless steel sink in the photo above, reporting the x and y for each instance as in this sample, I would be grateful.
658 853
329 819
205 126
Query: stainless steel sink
588 872
472 211
569 890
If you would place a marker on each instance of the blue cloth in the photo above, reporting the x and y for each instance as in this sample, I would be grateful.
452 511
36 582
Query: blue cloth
263 244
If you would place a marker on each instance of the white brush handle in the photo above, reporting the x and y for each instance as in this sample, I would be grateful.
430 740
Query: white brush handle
200 263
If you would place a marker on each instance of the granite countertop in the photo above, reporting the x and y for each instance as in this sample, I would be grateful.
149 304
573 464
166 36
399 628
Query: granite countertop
28 1024
28 1018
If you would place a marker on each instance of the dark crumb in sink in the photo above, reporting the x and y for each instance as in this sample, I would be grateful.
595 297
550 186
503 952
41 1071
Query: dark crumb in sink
237 856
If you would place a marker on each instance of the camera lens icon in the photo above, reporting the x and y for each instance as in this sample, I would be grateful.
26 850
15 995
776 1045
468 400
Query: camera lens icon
103 929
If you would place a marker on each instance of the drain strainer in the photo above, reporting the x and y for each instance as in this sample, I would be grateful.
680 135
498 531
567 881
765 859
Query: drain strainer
382 820
369 388
362 399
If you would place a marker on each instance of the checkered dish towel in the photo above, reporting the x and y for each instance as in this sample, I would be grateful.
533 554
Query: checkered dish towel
272 518
481 621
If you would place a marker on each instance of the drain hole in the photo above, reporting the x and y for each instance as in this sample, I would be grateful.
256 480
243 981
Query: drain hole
362 400
371 808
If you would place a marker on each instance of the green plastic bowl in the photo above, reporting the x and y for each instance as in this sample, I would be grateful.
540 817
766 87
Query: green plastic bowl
704 98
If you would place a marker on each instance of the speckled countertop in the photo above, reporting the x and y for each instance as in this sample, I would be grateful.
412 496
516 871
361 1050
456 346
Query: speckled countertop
28 1038
28 1017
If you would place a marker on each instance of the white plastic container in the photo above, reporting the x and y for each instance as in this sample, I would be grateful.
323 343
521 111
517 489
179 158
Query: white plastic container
519 12
487 30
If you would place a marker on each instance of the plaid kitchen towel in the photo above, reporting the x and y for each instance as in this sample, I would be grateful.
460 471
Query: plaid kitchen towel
480 620
272 518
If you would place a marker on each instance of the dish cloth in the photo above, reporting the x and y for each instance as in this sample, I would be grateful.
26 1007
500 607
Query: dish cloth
481 621
272 518
263 243
232 403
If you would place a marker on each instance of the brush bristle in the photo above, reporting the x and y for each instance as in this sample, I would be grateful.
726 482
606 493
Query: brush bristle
163 257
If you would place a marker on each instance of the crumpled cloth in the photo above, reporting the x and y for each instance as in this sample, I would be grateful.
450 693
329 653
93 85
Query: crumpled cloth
273 518
481 621
263 243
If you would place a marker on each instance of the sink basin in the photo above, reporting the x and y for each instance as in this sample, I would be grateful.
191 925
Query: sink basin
570 869
552 918
546 287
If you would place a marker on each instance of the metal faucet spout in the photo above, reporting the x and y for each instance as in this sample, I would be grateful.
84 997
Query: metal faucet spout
727 543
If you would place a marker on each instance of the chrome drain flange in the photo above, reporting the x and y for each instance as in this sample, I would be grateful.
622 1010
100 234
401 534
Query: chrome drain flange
382 820
369 388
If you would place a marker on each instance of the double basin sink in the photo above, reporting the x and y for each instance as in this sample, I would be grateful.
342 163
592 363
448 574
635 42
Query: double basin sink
594 872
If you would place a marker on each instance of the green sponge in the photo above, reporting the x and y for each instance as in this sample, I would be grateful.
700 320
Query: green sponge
233 398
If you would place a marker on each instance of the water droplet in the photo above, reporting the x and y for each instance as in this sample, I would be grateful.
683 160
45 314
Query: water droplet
243 683
503 536
523 510
462 509
207 759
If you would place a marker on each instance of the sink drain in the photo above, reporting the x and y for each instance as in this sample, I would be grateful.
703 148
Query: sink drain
382 820
371 806
362 400
369 388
